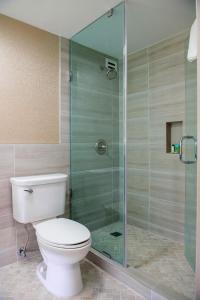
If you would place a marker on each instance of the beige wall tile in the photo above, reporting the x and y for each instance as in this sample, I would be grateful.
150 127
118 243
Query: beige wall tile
7 245
6 161
138 180
137 79
21 237
165 162
168 186
8 256
137 59
138 155
5 197
7 220
152 173
137 130
167 71
8 238
137 105
162 101
40 159
168 47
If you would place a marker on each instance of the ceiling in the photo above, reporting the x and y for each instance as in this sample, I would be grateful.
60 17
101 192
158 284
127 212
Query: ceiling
148 21
62 17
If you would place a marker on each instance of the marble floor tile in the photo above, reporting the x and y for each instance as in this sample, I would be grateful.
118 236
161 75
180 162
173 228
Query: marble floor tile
18 281
158 257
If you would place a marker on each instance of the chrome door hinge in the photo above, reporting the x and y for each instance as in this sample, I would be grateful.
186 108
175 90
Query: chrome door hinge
70 76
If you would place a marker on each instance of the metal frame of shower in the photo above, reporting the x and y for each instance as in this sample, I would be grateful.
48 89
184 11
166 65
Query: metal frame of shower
197 275
125 70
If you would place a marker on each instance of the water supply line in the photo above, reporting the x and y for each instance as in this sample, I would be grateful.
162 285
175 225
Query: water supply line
22 250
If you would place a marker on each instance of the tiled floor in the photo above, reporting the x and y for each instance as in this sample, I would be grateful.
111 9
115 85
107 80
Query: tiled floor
160 258
18 281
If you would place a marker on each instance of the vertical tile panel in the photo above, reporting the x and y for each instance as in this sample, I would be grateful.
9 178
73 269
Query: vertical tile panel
166 104
7 224
156 95
137 136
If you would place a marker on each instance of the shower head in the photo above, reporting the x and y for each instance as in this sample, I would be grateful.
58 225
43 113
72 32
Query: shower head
110 68
111 74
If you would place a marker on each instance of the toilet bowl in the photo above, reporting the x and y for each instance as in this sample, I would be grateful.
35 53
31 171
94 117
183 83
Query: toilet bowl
63 243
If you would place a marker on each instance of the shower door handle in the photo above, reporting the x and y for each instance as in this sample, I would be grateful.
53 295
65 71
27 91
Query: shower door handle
188 137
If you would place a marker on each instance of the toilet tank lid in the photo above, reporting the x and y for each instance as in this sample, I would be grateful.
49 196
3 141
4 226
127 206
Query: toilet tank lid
38 179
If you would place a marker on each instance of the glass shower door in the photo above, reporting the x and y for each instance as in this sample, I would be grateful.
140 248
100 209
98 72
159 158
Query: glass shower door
191 166
97 132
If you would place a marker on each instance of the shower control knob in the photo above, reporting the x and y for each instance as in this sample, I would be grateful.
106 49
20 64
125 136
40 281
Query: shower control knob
101 146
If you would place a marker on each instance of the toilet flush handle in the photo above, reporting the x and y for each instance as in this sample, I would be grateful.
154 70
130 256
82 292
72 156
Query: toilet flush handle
29 191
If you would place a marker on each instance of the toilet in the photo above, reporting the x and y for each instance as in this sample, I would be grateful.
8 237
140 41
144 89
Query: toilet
63 243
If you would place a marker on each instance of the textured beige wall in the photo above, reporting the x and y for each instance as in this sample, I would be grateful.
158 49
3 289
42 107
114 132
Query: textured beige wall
29 84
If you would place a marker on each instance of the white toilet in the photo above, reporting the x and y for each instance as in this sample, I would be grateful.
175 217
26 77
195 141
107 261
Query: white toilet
63 243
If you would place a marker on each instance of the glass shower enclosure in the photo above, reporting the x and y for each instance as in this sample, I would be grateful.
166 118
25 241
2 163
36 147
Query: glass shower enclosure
152 231
98 91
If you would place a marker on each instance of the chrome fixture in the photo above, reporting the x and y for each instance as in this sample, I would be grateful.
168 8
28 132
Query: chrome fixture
110 68
29 191
101 146
111 74
22 250
188 137
110 13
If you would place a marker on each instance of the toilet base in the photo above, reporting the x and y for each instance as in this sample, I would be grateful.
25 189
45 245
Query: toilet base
61 280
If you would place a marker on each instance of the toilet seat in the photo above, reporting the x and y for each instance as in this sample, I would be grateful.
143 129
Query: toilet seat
61 246
62 233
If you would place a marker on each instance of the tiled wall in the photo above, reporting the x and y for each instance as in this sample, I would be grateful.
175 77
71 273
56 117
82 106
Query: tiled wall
94 116
27 159
156 95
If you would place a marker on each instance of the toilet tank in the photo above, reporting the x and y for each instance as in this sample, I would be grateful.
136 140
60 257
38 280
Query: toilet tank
40 197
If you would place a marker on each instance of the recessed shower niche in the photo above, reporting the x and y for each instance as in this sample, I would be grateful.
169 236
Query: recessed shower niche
174 132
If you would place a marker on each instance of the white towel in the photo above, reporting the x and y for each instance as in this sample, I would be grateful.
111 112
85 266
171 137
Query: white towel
192 48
